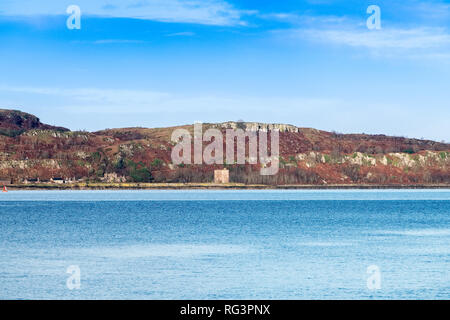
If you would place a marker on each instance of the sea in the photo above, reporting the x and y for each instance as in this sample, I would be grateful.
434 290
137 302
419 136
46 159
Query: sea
233 244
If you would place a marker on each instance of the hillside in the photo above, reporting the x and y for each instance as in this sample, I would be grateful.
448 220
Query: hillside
31 150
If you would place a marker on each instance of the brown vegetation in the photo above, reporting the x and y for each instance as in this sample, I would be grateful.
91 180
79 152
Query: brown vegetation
31 150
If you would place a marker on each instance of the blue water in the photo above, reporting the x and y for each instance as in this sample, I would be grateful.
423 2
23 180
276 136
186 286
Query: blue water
225 244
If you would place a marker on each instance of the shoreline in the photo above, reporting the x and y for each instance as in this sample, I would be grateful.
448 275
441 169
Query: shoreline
212 186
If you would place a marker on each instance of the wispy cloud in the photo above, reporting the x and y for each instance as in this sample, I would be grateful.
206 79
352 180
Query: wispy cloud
142 98
207 12
416 38
182 34
119 101
430 10
416 28
117 41
98 96
392 40
297 19
97 108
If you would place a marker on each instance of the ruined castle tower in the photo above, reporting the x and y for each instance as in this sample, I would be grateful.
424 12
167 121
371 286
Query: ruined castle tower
221 176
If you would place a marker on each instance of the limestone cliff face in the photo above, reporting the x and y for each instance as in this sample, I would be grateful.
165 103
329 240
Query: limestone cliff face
257 126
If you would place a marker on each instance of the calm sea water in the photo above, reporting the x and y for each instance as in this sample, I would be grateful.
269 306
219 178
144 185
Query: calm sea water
225 244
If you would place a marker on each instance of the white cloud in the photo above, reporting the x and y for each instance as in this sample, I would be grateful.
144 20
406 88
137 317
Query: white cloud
431 10
392 40
108 97
182 34
93 100
117 41
303 19
417 38
208 12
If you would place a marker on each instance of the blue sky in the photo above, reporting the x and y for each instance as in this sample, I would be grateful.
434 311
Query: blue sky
155 63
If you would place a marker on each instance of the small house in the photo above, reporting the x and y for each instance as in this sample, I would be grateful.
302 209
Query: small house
57 180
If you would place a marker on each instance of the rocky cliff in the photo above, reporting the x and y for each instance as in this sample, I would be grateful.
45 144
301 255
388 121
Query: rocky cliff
14 122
